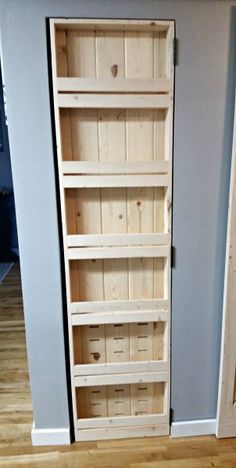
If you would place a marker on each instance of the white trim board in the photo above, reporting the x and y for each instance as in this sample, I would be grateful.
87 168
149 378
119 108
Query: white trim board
193 428
54 436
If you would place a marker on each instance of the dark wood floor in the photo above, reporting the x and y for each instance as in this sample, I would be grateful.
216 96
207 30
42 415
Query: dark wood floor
16 416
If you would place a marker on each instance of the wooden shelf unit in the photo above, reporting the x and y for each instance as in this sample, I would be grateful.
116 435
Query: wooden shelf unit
113 102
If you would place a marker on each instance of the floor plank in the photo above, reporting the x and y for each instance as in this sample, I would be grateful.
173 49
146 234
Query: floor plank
16 416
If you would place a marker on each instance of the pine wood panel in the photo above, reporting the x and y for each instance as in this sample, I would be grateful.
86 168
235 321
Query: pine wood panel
120 400
99 127
121 342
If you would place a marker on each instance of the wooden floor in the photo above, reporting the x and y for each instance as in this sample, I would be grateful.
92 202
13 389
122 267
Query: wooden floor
16 416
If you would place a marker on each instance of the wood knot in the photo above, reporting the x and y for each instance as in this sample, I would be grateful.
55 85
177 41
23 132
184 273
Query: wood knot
138 203
96 356
114 70
120 216
79 214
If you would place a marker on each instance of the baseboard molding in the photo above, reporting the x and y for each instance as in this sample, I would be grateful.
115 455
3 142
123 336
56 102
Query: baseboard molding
50 436
178 429
193 428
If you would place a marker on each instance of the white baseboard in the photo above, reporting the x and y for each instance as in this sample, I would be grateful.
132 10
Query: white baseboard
193 428
50 436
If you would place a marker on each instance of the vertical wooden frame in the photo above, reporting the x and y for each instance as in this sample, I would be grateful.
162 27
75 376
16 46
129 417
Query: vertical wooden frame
113 99
226 410
62 196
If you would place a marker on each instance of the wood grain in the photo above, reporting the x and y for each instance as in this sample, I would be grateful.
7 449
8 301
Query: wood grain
122 144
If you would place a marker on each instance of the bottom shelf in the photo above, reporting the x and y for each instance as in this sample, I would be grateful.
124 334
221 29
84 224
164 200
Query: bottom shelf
122 432
121 400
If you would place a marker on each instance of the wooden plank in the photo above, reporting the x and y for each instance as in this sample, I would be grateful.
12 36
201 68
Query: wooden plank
75 253
159 335
93 343
141 340
103 24
111 128
119 317
80 46
90 280
120 367
117 342
84 137
59 65
115 181
94 402
119 421
169 72
113 379
118 305
139 64
226 410
142 398
121 433
118 400
139 146
160 58
115 167
125 85
116 239
114 101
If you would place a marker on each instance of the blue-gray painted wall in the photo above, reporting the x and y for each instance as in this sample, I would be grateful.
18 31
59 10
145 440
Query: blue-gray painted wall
205 80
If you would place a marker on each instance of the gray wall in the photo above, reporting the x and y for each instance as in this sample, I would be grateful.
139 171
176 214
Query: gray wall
205 80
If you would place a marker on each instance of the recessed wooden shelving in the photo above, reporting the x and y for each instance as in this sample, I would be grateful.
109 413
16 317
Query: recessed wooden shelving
113 99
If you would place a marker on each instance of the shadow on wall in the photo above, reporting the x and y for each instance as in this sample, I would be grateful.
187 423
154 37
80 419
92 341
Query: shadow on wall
8 230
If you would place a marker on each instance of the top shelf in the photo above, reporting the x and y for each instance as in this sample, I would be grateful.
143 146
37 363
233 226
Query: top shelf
108 24
114 52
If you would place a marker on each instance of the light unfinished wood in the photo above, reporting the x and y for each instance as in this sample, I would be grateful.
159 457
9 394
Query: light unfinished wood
119 305
113 167
119 404
113 95
226 411
75 253
89 287
117 239
106 379
152 419
122 433
115 181
106 101
120 367
64 147
119 317
103 24
119 340
78 85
